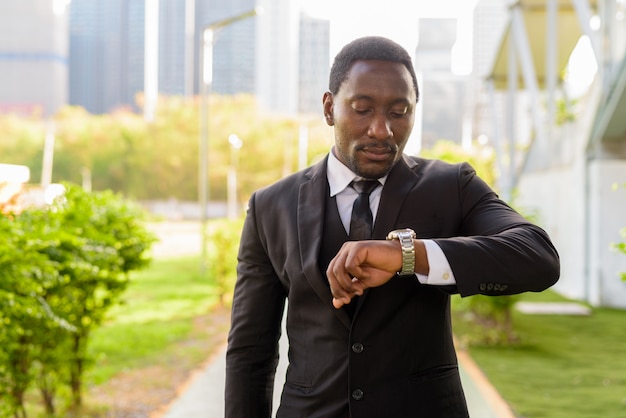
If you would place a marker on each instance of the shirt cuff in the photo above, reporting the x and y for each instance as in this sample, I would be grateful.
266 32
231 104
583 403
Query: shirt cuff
440 272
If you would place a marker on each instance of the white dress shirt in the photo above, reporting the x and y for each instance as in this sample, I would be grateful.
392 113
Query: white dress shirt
339 179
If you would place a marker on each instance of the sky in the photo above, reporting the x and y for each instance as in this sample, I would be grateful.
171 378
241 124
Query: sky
395 19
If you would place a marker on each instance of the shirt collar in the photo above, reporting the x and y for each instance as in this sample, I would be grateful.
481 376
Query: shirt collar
340 176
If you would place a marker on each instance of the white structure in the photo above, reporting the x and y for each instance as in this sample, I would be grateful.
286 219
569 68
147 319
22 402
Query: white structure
575 152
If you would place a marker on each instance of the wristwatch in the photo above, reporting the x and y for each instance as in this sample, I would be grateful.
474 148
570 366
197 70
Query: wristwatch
406 237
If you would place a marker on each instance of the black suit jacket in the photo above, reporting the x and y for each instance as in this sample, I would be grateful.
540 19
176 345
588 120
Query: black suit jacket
396 357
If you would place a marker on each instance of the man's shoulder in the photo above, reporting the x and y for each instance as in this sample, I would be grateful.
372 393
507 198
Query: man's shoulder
292 182
432 165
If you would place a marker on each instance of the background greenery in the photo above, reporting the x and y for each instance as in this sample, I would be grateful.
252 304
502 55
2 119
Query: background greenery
62 266
121 150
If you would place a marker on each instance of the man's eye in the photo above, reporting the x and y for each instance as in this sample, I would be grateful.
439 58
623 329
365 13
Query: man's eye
361 111
398 113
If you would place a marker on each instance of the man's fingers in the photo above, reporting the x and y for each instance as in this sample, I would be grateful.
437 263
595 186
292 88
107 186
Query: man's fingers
340 272
338 303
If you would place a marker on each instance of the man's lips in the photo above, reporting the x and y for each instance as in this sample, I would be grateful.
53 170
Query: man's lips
377 153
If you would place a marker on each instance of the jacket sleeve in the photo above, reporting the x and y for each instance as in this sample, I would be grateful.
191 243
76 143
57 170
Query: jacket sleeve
252 354
498 252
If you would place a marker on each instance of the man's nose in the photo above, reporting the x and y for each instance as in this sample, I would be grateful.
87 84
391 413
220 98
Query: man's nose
380 128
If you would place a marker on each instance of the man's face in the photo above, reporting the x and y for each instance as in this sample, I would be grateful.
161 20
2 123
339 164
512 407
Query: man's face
373 114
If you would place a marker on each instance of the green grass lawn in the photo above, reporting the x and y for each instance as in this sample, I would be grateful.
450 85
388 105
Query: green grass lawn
158 311
563 367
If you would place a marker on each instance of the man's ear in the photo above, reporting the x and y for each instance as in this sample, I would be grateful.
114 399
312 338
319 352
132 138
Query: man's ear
327 101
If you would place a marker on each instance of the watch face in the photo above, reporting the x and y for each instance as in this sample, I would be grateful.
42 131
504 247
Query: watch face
401 233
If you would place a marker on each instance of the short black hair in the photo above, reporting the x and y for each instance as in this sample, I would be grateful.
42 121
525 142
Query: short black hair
368 48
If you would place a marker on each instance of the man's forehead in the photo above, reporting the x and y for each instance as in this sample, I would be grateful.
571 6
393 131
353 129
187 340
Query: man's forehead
376 73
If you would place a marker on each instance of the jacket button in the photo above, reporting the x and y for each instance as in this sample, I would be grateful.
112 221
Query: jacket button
357 394
357 348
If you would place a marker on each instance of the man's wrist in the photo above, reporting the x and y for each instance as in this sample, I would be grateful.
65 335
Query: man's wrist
406 238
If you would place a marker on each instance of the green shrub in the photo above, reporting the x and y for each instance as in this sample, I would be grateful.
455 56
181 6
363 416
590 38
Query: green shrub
61 268
223 240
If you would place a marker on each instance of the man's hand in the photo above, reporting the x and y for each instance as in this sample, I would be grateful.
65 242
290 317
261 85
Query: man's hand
360 265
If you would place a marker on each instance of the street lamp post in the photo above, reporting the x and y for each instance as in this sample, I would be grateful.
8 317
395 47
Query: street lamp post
206 82
235 146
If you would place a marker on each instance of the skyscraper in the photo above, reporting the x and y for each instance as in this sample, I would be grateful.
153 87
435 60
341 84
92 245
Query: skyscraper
33 63
106 53
443 93
314 63
172 63
262 55
276 78
234 48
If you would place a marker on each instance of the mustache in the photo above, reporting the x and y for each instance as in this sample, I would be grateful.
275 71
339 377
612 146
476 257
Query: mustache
389 146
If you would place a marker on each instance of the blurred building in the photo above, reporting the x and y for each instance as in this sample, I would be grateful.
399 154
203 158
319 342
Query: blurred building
277 55
314 66
489 21
173 62
106 53
443 94
265 55
33 56
234 48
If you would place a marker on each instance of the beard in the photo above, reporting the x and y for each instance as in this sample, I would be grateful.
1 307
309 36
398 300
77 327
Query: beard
369 169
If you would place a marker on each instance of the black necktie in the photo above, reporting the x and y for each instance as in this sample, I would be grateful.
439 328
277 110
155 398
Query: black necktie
361 221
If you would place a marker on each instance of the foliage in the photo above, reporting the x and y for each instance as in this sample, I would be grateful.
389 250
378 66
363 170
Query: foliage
62 266
224 244
481 158
22 141
120 151
494 317
25 275
565 111
621 247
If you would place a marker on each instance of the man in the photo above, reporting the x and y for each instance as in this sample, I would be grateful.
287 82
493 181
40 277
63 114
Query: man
368 319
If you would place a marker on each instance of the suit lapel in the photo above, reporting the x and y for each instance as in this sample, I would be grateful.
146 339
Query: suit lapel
311 201
400 182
